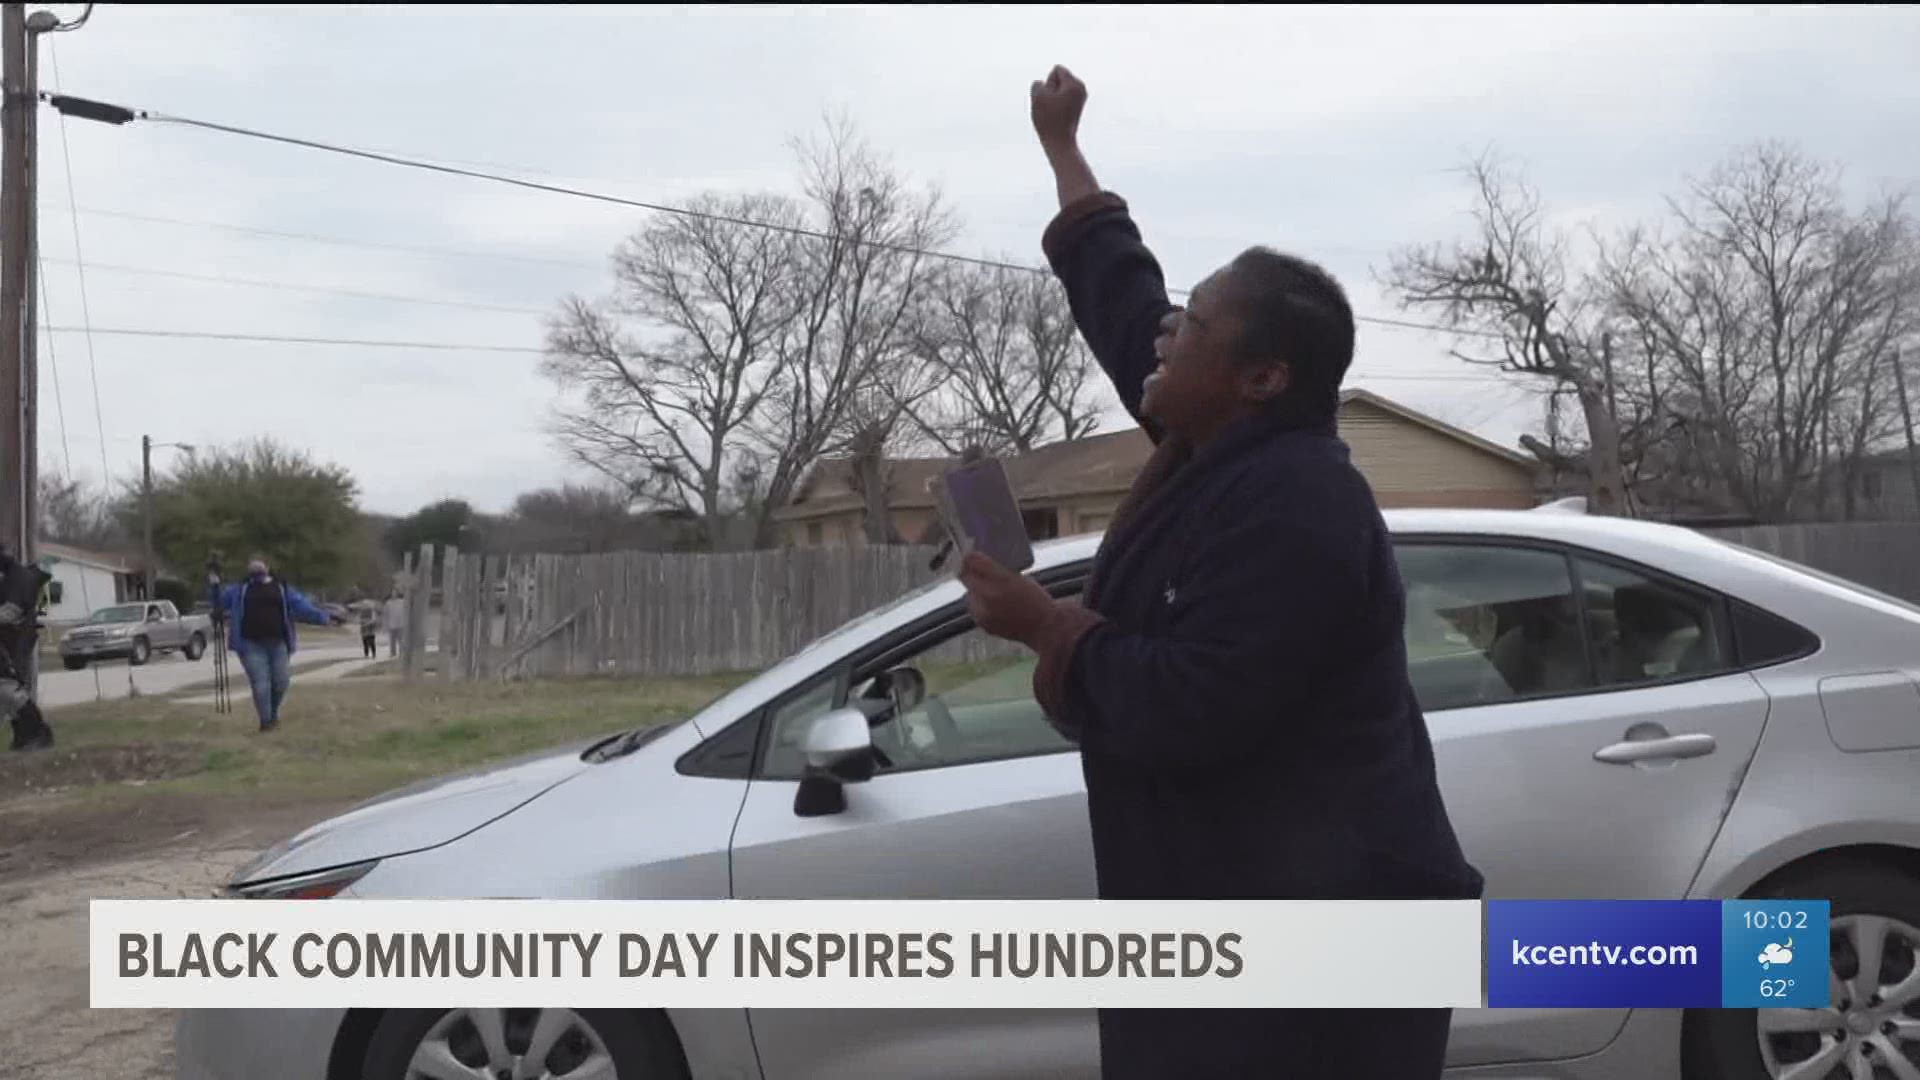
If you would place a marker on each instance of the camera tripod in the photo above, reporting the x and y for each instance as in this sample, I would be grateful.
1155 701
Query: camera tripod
217 612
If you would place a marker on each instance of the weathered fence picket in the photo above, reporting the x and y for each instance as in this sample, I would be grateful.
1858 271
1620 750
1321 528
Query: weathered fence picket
645 613
1879 555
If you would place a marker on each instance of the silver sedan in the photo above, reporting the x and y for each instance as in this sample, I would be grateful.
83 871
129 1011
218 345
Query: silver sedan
1619 709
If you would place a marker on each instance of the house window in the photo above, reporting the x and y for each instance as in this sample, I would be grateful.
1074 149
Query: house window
1042 524
813 534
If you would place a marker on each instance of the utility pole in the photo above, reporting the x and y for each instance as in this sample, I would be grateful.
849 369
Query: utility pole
19 375
146 512
17 379
147 447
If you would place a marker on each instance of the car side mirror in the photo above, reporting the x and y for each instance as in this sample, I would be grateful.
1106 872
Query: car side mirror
839 750
892 692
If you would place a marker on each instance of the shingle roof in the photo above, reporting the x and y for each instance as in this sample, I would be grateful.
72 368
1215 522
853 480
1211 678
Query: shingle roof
102 559
1096 464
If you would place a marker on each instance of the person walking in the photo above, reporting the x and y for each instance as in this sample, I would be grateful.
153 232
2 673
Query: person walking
369 616
395 620
1234 672
261 613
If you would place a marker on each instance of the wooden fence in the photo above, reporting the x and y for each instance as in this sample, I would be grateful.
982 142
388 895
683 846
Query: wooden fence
1879 555
642 613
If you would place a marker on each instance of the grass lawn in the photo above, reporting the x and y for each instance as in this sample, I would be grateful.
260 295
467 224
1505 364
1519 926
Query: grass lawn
344 739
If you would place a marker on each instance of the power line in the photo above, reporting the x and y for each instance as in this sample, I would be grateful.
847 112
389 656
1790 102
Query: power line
117 114
86 322
212 335
319 238
86 312
296 287
528 350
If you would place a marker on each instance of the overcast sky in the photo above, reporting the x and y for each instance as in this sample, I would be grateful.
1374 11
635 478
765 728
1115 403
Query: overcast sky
1333 134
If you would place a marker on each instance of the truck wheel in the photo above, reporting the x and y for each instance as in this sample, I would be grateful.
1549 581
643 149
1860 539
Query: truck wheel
196 647
142 652
73 663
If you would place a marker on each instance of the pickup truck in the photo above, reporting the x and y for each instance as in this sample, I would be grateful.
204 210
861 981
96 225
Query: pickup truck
135 632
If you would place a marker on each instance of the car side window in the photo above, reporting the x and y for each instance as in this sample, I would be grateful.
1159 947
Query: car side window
1487 624
1645 630
789 721
979 706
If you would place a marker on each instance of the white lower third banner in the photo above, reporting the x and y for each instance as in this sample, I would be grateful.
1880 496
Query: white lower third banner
776 954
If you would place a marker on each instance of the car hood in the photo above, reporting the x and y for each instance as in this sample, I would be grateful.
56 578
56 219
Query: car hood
419 816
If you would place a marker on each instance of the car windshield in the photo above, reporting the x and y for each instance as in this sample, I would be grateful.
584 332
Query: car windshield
127 613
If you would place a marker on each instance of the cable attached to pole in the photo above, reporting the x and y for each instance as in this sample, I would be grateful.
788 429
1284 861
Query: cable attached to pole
117 115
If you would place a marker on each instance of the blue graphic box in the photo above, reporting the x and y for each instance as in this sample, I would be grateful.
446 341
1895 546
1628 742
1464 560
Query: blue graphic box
1604 954
1775 954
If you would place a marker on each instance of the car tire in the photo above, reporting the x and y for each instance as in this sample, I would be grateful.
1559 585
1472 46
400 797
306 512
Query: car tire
641 1043
73 663
1724 1044
196 647
142 652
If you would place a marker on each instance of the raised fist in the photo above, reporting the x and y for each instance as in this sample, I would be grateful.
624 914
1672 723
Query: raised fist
1057 103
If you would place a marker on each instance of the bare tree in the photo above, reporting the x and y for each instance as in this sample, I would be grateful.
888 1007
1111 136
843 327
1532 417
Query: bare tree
1770 319
858 289
672 368
735 341
1010 371
1513 291
588 518
73 512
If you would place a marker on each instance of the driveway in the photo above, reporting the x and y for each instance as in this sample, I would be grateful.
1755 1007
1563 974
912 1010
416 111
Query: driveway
164 674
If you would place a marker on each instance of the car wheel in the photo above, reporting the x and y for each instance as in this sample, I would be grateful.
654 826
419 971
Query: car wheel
196 647
560 1044
1873 1027
142 652
73 663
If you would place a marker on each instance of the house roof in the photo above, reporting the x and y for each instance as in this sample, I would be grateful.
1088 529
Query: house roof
98 559
1096 464
1432 423
1090 465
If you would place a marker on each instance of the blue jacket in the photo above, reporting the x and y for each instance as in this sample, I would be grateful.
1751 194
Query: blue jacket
1236 677
233 600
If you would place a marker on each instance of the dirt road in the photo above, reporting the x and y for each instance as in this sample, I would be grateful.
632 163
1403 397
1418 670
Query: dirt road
181 850
109 680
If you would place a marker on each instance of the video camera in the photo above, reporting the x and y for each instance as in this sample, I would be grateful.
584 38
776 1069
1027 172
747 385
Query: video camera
215 610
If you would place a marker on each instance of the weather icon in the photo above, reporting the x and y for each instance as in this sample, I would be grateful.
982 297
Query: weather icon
1776 954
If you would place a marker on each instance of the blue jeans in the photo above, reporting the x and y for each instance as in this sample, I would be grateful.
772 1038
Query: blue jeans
268 675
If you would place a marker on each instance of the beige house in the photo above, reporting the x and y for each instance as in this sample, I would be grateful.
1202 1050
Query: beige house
1410 458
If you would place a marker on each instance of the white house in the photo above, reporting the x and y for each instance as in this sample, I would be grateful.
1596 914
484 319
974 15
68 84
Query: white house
84 581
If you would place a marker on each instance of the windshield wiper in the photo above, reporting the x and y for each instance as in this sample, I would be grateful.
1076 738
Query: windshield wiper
598 752
625 743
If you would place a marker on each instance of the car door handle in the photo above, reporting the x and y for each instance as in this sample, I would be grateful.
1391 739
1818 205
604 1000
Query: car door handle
1671 747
